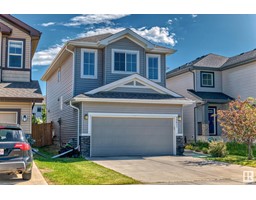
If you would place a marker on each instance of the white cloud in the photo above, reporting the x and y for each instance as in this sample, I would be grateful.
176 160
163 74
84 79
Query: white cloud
45 57
194 16
157 35
93 19
48 24
99 31
170 21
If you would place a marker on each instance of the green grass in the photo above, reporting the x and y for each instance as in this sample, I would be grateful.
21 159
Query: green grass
78 171
234 159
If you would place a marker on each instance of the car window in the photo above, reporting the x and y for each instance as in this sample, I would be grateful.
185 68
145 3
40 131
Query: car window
8 135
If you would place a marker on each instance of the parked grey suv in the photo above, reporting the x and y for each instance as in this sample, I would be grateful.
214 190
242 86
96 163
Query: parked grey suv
15 151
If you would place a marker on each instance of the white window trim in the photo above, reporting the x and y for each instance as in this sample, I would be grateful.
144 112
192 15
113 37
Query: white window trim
22 52
159 66
61 103
95 51
124 51
212 77
173 117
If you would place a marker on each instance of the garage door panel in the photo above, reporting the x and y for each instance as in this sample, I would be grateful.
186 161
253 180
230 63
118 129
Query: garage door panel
6 117
129 136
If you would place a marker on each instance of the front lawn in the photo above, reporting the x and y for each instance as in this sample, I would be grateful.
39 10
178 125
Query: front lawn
237 153
233 159
78 171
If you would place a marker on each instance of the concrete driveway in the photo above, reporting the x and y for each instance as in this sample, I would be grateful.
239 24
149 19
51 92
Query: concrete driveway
176 170
37 178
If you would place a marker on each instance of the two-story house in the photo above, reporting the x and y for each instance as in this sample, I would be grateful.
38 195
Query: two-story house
18 93
212 81
108 92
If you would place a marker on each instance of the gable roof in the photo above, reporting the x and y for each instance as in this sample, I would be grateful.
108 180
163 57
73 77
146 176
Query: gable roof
214 62
35 34
101 41
24 26
28 91
134 77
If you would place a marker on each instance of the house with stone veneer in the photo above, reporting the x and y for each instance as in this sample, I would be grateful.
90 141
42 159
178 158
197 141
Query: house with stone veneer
212 81
108 93
18 92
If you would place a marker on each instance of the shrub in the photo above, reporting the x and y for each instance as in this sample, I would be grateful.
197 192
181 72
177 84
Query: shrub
197 149
189 146
217 149
202 144
205 150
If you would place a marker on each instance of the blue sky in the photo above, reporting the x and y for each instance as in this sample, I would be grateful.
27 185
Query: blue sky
191 35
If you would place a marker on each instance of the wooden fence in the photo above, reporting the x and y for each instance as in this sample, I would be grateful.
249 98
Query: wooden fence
42 134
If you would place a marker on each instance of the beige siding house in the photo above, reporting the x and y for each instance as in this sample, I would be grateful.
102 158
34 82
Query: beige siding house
212 81
107 92
18 93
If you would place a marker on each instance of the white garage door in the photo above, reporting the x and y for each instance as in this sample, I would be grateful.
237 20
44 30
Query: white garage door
8 117
131 136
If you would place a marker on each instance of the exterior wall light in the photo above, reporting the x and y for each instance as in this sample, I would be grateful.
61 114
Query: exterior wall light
86 117
179 118
24 118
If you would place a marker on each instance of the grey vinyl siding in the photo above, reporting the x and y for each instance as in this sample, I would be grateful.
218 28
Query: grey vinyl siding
134 90
129 108
82 85
54 91
240 81
217 82
126 44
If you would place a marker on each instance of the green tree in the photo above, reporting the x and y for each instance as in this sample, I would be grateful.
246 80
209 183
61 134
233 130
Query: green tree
44 113
238 122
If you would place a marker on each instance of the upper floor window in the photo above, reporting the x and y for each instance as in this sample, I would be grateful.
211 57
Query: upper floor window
89 63
15 54
39 109
207 79
125 61
153 67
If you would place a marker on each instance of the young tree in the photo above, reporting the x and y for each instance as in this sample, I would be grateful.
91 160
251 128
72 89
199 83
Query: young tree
238 122
44 113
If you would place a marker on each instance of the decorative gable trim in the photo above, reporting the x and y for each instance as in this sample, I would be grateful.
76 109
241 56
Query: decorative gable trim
131 35
138 78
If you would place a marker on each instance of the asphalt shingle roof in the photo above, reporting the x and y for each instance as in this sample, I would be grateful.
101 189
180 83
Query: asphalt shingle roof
212 96
95 38
126 95
29 90
216 61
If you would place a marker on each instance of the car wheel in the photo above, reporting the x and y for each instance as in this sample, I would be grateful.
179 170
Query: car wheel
27 176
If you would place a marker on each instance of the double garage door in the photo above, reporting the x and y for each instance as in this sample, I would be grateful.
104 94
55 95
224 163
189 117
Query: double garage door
113 136
8 117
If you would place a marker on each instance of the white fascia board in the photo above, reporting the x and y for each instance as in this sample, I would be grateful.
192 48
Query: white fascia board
143 101
126 32
84 44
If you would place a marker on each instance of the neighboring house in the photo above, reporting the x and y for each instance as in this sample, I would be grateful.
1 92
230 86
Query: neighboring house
18 93
37 109
112 86
212 81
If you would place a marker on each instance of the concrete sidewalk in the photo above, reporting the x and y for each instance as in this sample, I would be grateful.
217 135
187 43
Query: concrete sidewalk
37 178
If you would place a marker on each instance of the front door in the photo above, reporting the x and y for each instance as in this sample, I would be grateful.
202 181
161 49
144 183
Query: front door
212 121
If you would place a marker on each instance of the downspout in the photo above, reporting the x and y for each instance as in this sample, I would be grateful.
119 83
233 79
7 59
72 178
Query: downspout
73 78
70 103
78 123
